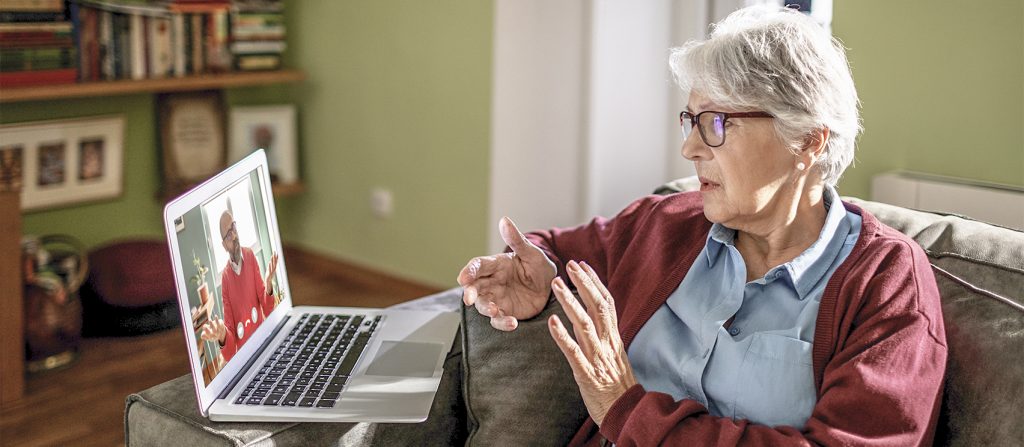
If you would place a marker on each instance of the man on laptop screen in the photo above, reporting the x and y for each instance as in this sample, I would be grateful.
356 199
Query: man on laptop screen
246 298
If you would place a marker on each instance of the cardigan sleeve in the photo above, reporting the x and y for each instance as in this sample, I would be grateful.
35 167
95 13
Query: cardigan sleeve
881 385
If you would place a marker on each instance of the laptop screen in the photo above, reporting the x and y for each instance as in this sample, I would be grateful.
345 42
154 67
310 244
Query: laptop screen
226 253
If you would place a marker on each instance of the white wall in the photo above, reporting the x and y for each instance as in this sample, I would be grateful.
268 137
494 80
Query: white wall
628 107
584 111
536 127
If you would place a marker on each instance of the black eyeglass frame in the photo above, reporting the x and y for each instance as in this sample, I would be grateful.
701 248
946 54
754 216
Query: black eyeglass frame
695 122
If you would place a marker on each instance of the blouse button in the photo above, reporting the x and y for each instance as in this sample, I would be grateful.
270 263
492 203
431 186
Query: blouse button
734 331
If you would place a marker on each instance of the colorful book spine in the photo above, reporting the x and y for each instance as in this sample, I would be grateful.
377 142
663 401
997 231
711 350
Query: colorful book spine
137 46
178 46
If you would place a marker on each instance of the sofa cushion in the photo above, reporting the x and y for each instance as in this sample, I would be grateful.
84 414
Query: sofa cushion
517 386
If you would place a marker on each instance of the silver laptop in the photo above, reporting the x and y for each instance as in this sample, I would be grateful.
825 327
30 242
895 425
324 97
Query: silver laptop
256 357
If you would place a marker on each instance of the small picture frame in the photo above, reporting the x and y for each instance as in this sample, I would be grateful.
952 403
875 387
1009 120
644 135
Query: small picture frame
271 128
192 138
62 162
12 164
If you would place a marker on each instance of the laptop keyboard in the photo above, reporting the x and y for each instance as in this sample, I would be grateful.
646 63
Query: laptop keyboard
312 364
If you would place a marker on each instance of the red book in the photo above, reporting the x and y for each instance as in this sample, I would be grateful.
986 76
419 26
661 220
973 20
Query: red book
38 77
33 43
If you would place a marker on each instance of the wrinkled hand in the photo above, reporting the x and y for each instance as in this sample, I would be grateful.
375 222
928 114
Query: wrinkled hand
271 269
510 286
597 356
214 330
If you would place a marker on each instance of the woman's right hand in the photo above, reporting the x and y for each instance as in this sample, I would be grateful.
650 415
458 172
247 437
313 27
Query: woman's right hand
509 287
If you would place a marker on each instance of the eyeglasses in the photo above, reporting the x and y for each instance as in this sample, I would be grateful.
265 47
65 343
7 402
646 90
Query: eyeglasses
711 124
232 229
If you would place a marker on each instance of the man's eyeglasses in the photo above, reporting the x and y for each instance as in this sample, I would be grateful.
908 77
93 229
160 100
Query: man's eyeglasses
711 124
231 230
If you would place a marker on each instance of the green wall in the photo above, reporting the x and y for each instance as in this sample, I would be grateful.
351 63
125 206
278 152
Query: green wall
942 88
398 97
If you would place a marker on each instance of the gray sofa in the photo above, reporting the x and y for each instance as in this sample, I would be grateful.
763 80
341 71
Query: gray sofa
516 389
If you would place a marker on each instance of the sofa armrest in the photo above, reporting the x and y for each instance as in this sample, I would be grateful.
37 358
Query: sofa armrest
518 387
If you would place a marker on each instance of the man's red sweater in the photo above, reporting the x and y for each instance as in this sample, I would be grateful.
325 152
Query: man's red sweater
246 302
879 351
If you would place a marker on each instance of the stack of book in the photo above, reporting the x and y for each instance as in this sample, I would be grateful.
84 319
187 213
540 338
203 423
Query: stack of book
257 34
139 39
37 44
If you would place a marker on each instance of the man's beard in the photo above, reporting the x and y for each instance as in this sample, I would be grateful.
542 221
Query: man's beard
236 254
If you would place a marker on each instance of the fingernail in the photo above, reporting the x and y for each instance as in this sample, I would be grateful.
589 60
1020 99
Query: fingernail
584 264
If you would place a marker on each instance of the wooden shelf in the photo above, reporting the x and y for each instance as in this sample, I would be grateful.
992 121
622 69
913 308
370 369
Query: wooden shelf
125 87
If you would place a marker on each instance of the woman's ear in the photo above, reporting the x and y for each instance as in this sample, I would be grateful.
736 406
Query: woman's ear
814 144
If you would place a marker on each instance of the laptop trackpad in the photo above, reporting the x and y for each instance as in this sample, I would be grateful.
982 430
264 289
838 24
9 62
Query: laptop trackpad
405 359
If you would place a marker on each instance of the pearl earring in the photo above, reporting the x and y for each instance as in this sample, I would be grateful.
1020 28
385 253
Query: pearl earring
800 166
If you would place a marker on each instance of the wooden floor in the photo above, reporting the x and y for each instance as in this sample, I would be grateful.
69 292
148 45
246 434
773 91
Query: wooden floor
83 405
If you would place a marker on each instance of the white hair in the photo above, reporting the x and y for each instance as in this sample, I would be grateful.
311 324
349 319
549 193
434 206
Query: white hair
782 62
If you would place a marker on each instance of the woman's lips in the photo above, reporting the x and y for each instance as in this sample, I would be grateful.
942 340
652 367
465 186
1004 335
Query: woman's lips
707 185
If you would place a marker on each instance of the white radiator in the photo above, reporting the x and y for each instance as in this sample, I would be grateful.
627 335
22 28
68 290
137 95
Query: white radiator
998 204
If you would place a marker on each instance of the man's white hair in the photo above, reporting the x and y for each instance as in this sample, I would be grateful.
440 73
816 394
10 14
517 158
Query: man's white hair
780 61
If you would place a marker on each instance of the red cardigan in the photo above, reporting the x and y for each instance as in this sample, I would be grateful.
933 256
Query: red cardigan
879 344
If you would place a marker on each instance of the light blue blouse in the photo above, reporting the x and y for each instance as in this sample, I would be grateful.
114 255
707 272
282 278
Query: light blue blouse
760 368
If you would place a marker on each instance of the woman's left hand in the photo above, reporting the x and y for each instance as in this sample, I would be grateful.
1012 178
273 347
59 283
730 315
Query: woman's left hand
597 357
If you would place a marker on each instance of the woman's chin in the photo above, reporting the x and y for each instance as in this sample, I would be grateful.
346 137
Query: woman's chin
712 213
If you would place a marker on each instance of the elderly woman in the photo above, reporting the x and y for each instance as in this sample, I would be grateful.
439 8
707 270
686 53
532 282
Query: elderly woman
760 310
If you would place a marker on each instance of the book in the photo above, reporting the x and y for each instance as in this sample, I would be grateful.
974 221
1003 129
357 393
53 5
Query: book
218 58
56 27
31 16
258 46
38 77
137 46
198 50
178 45
42 41
32 5
161 62
145 8
258 62
29 59
106 45
89 45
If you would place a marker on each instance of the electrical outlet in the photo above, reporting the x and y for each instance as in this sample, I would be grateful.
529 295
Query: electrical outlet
382 203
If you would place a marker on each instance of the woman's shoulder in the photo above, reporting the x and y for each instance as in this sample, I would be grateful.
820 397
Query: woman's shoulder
680 205
891 272
677 211
877 239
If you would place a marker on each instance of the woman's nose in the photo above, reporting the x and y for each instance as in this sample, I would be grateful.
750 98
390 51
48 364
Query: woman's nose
694 148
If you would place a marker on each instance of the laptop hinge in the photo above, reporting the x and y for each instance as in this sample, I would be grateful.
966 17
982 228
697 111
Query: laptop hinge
248 364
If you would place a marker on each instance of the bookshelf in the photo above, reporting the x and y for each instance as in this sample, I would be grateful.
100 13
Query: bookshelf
125 87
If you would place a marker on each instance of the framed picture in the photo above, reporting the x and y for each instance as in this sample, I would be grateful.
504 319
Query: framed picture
62 162
11 166
271 128
192 138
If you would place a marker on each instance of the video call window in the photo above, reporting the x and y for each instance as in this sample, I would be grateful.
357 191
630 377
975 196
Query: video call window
226 252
